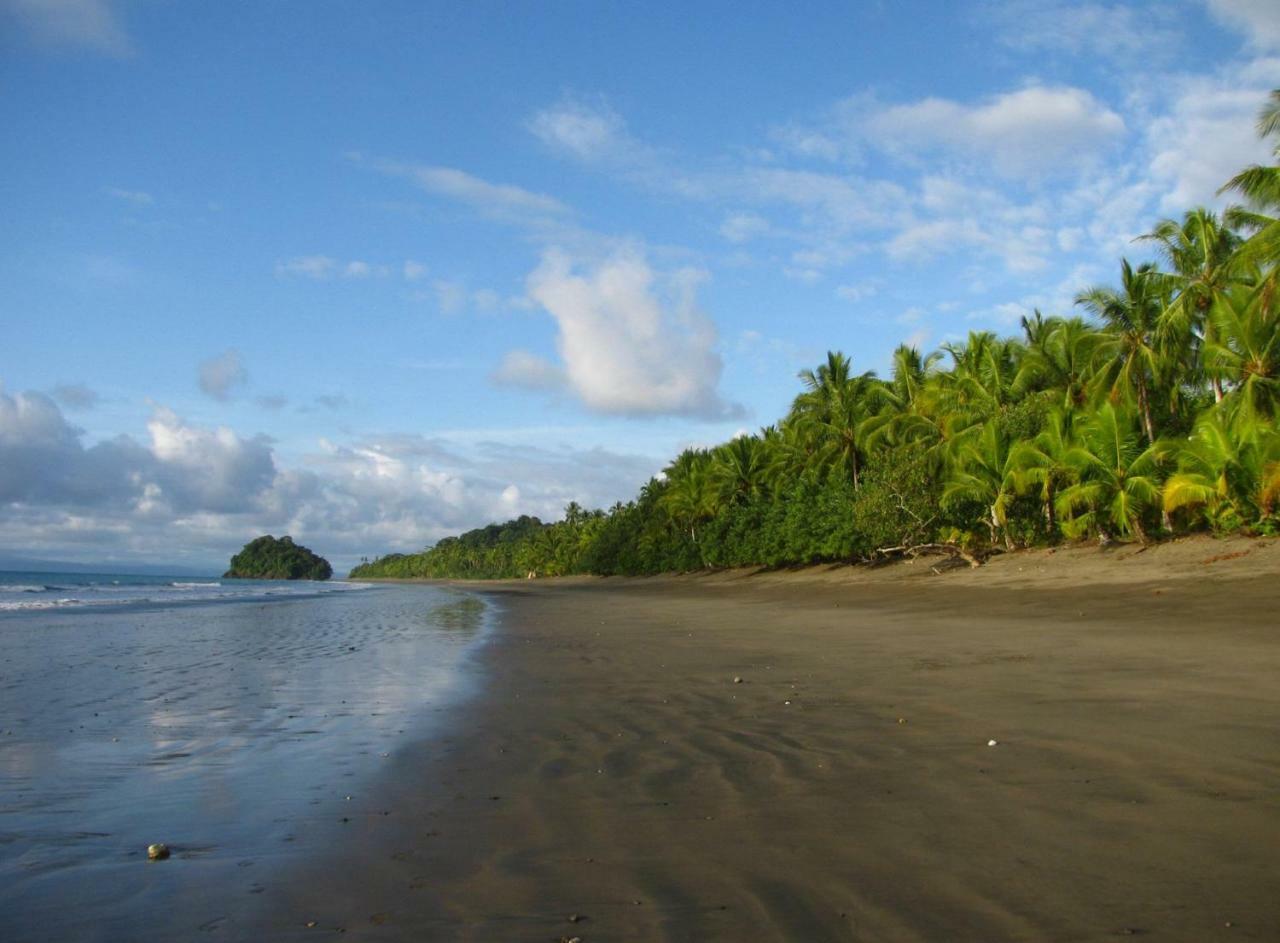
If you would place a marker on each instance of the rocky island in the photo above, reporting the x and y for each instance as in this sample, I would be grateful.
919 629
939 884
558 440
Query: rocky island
269 558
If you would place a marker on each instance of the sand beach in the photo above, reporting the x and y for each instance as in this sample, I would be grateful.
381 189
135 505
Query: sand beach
1062 745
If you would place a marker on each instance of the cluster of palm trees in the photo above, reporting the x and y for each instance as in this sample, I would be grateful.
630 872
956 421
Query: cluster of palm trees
1155 408
1158 411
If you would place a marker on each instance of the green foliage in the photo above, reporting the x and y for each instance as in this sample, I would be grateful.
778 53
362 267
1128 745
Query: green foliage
267 558
1159 412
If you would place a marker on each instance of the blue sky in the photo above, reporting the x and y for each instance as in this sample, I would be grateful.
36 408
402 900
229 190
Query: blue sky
373 273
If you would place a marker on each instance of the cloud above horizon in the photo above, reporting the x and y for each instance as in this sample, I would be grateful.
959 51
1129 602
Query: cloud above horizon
212 488
632 341
88 24
219 376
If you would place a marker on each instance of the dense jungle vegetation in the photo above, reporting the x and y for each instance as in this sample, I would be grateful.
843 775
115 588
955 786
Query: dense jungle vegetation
1155 413
268 558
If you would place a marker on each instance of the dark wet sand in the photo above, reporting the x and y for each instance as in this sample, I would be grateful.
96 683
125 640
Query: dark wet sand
615 771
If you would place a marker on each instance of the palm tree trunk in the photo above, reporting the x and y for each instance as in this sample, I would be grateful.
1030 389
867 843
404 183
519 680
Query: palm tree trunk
1144 403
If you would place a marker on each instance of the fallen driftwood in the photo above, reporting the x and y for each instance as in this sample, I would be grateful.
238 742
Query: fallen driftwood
918 550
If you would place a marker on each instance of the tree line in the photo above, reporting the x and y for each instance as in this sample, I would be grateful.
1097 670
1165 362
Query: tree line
1151 412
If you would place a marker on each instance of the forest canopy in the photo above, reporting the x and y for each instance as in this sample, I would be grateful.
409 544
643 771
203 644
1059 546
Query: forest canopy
269 558
1152 411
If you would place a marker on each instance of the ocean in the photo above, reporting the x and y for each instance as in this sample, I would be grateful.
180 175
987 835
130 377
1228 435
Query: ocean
237 721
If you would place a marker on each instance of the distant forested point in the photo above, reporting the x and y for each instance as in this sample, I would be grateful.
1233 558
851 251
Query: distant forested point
1157 413
269 558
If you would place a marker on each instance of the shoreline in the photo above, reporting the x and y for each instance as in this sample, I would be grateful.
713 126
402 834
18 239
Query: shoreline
613 770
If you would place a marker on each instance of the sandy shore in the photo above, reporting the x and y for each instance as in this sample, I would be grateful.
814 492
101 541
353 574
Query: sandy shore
845 789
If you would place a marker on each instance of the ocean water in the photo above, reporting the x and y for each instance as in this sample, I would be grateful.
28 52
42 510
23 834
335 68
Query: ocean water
239 722
25 591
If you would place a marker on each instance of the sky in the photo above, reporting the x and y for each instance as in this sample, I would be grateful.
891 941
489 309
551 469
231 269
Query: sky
374 273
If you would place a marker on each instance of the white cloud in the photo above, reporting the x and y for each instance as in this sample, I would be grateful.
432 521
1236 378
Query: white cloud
202 469
136 197
1121 33
836 201
1209 134
741 227
632 342
583 131
861 290
503 201
322 268
318 267
413 271
451 297
219 375
1023 133
520 368
195 488
91 24
1257 20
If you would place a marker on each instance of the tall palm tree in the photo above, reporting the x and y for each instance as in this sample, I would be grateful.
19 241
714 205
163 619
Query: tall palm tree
840 401
980 382
1245 352
904 401
1202 255
1117 476
1260 186
982 470
1060 356
738 468
691 495
1042 465
1132 364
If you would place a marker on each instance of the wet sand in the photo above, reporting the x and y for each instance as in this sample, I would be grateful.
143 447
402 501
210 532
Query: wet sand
844 789
230 731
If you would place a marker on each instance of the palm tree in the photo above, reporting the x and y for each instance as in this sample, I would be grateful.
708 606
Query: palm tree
1260 186
1245 352
1131 361
1228 472
839 402
1041 465
980 382
690 496
982 471
1117 481
1060 356
903 401
738 468
1201 252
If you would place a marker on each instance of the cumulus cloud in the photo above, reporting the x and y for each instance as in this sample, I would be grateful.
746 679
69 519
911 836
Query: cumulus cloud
220 375
186 486
89 24
632 342
1026 132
